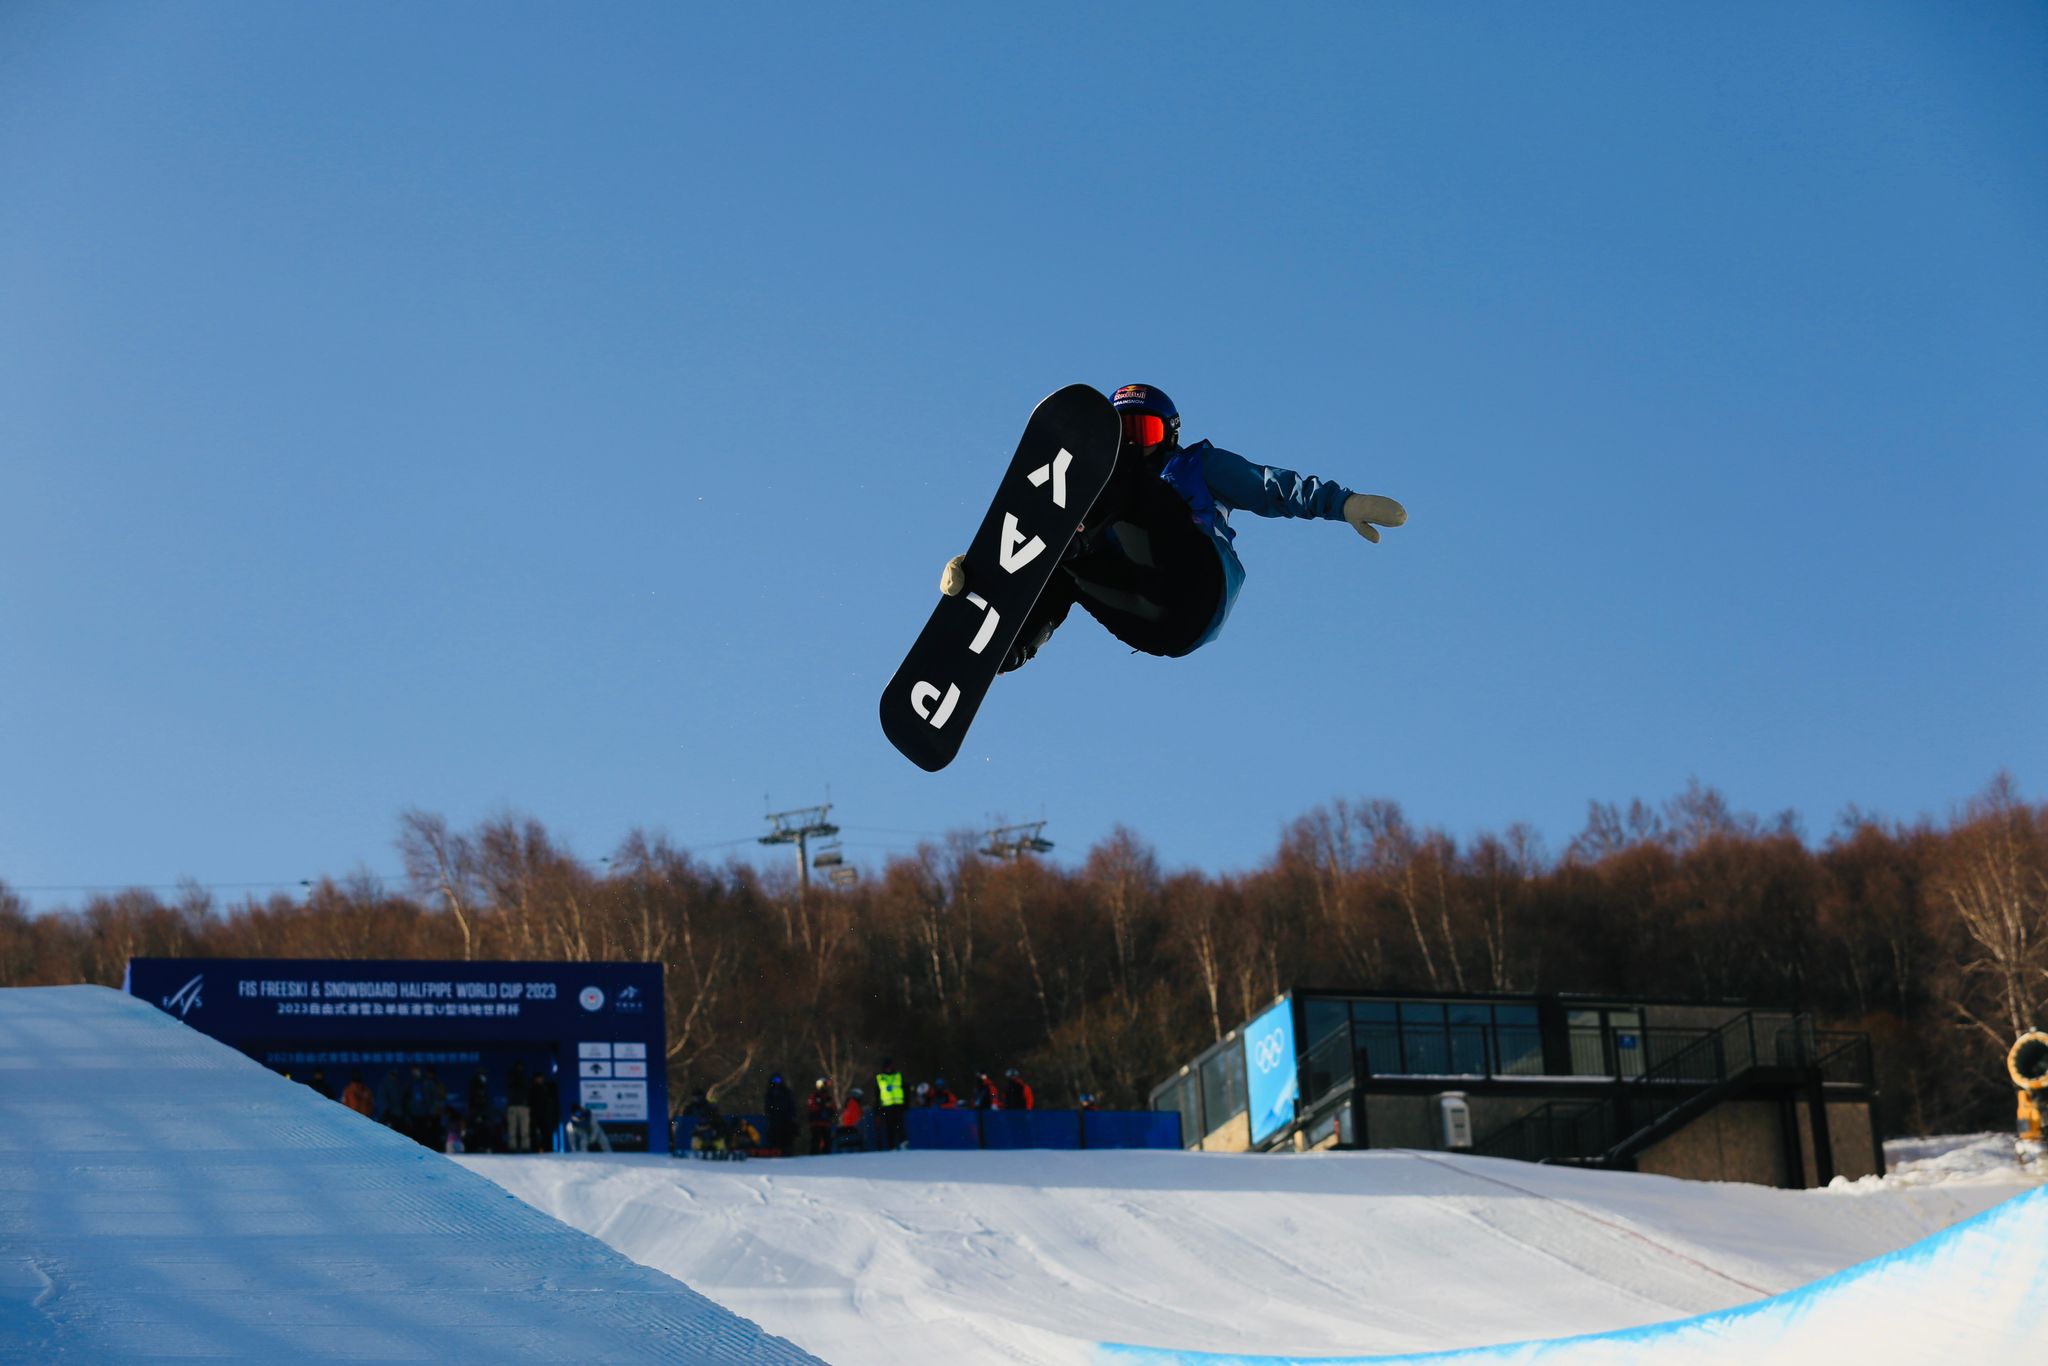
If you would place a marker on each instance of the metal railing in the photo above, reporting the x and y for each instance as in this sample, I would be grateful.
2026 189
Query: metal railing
1455 1050
1556 1131
1328 1066
1598 1051
1845 1059
1352 1051
1685 1075
1678 1065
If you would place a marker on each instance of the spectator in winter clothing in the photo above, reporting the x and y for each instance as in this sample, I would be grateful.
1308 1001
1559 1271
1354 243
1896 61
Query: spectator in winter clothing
985 1095
356 1096
518 1111
425 1098
820 1111
703 1123
547 1110
779 1105
848 1138
391 1098
476 1126
585 1132
889 1091
1016 1095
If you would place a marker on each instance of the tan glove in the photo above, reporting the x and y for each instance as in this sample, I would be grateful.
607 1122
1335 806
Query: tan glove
1364 510
953 578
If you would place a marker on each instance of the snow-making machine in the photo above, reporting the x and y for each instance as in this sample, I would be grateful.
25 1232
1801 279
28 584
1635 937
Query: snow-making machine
2028 1064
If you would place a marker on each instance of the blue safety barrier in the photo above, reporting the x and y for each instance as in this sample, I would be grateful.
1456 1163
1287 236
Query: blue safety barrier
942 1129
937 1130
1130 1128
1031 1129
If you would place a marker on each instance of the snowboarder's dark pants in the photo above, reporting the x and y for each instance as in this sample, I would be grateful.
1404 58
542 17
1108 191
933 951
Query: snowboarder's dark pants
1142 568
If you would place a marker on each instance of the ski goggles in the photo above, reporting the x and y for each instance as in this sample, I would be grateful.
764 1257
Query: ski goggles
1144 429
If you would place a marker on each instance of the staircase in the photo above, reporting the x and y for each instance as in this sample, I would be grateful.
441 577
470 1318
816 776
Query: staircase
1754 1049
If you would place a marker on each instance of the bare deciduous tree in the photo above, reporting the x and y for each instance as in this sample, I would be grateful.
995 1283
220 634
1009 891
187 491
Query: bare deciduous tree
1994 879
441 866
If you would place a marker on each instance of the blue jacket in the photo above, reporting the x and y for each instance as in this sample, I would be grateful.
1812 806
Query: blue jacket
1216 482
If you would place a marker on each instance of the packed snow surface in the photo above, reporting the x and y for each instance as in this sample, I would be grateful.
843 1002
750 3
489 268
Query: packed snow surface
163 1197
1153 1257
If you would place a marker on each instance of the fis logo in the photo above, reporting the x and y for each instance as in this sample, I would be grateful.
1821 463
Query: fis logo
185 999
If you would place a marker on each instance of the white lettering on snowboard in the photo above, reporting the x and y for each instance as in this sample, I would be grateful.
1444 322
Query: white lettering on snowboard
924 694
1057 472
1015 552
988 624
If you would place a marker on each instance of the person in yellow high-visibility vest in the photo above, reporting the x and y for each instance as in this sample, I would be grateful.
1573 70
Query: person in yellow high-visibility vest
889 1095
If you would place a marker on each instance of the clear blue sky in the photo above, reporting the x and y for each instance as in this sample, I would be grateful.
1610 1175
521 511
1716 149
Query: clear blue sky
566 410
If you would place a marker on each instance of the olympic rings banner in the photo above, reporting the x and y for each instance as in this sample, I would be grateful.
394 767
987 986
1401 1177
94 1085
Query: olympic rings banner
1270 1070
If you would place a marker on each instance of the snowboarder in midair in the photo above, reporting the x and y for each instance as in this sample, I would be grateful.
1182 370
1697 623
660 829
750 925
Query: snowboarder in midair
1154 562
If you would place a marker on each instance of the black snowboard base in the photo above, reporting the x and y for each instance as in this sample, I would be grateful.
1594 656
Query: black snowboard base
1062 464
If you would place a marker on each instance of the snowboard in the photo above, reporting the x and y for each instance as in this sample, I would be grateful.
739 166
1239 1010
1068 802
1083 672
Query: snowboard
1061 466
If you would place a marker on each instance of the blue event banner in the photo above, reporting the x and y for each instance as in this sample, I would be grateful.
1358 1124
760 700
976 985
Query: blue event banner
286 998
1272 1081
599 1026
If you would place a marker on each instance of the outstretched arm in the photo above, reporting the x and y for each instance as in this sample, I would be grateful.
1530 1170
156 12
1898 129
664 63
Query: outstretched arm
1271 491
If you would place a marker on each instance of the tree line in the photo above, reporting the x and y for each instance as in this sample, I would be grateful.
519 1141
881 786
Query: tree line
1105 977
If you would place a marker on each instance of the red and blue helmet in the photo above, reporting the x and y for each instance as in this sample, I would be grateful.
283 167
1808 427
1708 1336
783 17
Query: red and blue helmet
1149 417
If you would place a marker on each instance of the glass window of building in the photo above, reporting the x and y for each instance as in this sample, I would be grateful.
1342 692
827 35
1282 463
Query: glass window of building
1378 1032
1626 1029
1588 1044
1179 1094
1324 1019
1223 1086
1327 1060
1470 1026
1425 1046
1518 1041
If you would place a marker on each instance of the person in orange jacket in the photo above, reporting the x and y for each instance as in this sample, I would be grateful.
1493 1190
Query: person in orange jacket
848 1137
1016 1092
356 1096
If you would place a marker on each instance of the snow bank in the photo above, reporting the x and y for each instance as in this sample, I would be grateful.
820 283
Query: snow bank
162 1196
1977 1292
881 1259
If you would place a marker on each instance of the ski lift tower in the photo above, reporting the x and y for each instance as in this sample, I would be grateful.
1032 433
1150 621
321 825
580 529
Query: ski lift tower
800 827
1015 841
